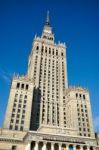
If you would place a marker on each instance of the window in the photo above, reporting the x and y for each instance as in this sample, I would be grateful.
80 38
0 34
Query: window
10 127
22 122
53 52
84 129
14 105
15 100
20 101
37 47
23 116
25 96
80 95
24 106
18 85
79 129
86 110
23 111
13 110
13 115
18 110
79 119
22 86
16 127
25 101
19 105
17 121
27 86
14 147
18 116
82 119
83 96
21 96
21 128
16 95
12 120
89 135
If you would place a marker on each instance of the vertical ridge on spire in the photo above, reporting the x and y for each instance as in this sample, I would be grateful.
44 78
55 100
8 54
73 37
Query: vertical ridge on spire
47 19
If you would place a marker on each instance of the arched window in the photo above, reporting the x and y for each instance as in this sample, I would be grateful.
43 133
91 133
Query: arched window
37 48
62 54
18 85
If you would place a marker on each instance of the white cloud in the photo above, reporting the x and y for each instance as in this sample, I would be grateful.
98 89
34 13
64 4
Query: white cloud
5 75
96 122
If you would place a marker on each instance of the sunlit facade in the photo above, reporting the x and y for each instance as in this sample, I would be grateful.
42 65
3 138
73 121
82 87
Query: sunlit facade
43 112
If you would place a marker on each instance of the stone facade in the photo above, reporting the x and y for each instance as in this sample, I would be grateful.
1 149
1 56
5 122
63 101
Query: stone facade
43 113
97 140
20 100
79 111
33 140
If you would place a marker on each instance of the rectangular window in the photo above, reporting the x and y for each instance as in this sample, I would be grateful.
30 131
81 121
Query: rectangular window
14 147
22 86
10 127
27 86
16 127
21 128
18 85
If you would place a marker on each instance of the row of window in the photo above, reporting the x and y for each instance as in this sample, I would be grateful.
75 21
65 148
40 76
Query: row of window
48 38
16 127
48 114
18 111
81 96
22 86
47 50
84 134
84 129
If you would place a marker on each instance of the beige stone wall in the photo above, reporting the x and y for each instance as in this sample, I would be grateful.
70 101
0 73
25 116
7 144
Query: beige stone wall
9 138
79 111
19 91
8 145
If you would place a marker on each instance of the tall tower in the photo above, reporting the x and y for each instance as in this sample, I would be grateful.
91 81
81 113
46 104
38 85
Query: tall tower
36 99
48 69
41 100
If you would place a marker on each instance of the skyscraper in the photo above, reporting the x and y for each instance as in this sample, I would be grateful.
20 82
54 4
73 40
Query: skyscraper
42 105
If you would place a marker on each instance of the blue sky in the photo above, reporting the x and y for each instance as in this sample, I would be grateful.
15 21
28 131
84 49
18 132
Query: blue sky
75 22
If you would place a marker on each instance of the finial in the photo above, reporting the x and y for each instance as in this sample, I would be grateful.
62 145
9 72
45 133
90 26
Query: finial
47 19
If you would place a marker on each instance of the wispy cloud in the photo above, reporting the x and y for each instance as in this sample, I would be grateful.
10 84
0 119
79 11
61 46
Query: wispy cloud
5 75
96 122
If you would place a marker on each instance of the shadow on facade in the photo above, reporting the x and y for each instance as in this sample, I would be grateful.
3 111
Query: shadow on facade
35 111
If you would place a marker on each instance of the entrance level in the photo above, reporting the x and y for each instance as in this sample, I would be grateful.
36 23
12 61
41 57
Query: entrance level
44 145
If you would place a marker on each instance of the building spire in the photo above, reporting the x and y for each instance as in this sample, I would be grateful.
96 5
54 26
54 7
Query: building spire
48 19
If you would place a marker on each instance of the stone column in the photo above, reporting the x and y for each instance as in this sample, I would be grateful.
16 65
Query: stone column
94 148
36 145
60 146
81 147
52 146
74 147
88 148
28 146
44 146
67 147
